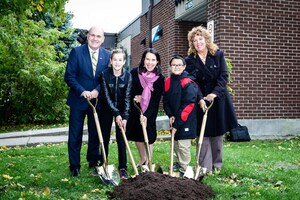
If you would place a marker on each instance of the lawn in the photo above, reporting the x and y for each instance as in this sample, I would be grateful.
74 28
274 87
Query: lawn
252 170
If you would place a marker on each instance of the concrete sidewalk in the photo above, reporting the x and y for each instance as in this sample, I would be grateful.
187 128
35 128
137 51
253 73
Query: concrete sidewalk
54 135
258 130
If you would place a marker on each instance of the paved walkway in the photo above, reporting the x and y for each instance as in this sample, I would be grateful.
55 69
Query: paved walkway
53 135
266 129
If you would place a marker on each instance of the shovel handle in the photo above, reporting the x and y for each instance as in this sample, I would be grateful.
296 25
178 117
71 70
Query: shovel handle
145 137
147 146
171 155
98 130
129 151
200 140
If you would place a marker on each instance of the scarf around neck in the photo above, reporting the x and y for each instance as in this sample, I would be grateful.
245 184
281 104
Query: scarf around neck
147 79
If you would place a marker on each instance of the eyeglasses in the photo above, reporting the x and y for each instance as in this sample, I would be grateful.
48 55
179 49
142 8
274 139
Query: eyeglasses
177 65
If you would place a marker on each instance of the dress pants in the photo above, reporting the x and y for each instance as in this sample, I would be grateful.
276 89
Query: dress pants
76 123
211 153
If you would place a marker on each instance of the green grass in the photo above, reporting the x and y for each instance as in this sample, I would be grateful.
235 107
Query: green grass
252 170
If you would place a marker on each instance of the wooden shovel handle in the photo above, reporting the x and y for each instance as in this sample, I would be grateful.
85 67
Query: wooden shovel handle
200 140
171 155
129 151
98 130
147 146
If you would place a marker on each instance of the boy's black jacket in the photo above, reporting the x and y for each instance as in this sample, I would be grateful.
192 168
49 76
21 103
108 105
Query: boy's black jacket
180 100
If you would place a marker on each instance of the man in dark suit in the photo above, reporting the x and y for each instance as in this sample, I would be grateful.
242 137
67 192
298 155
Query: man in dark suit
84 67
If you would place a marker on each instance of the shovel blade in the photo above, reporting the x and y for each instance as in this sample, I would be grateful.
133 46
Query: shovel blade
189 172
154 168
200 172
108 175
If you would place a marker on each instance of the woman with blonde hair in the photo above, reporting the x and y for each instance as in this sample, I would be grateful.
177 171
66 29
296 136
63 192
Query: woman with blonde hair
207 65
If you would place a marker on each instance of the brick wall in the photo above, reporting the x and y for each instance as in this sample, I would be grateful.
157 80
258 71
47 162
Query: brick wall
136 51
262 40
174 39
165 46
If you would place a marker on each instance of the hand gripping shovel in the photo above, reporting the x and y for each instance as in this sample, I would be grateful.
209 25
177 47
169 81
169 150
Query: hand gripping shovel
189 173
129 151
107 173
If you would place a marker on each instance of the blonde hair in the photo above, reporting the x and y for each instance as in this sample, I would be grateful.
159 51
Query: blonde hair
115 51
201 31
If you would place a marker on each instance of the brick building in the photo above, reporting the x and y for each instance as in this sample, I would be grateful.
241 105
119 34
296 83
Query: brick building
261 37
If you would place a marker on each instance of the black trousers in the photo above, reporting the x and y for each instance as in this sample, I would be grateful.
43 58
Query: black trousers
106 119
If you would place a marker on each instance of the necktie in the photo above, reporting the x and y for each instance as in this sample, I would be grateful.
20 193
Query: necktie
94 61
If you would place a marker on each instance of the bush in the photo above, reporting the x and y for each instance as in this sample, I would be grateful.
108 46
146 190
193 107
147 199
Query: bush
32 88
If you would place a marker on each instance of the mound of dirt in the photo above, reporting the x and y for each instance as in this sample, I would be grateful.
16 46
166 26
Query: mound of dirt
151 185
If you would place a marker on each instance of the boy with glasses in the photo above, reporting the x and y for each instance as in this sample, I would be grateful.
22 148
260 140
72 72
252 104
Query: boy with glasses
180 104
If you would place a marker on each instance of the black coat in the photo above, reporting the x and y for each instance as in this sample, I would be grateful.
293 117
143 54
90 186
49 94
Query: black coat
134 129
180 101
115 96
212 77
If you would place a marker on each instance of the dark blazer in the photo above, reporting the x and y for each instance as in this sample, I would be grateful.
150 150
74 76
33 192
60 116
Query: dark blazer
79 74
180 100
134 128
212 77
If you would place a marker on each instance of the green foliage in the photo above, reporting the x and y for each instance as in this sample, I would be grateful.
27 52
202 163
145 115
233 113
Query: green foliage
251 170
20 9
33 48
229 65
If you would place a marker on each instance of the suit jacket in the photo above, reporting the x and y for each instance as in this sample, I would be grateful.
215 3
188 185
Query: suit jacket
79 74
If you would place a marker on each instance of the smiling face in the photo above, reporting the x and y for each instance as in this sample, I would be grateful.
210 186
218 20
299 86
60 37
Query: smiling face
199 43
117 62
95 37
150 61
177 66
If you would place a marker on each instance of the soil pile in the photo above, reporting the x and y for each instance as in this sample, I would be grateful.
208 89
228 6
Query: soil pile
153 185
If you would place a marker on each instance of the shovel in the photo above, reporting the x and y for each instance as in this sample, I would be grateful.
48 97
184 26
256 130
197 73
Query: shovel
189 173
171 172
151 167
129 151
171 155
107 173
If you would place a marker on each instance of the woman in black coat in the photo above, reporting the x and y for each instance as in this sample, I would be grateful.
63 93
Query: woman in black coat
147 90
206 63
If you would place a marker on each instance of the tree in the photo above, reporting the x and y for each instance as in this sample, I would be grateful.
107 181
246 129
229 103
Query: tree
32 89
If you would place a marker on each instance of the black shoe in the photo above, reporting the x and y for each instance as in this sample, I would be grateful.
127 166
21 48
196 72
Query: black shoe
176 167
123 174
75 172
